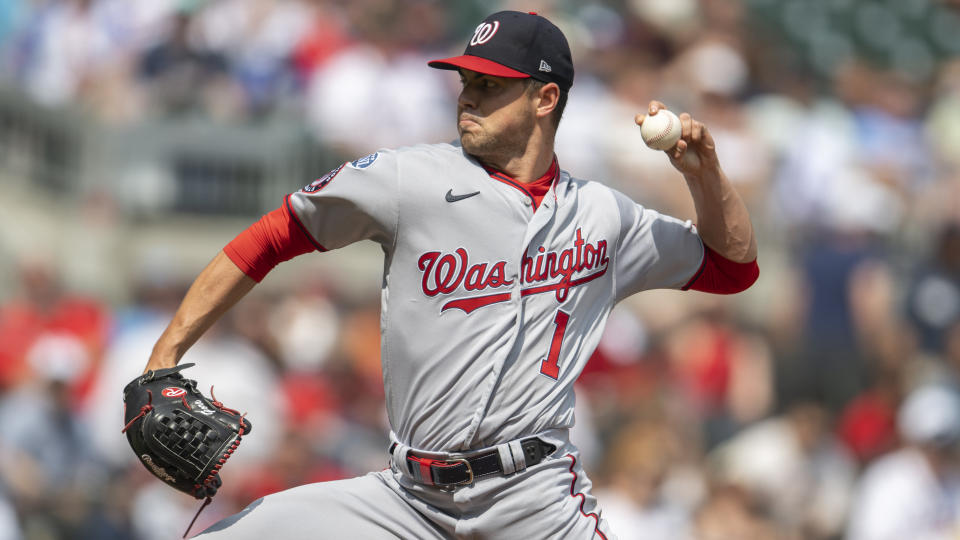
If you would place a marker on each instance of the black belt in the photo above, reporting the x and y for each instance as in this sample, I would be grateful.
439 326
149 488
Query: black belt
463 471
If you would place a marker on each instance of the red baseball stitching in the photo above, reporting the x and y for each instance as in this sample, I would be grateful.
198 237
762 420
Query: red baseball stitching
666 130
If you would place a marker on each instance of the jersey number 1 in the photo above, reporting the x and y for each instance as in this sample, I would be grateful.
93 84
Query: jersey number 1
551 366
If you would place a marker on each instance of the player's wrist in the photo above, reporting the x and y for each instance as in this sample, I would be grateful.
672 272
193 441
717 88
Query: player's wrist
161 358
702 183
158 365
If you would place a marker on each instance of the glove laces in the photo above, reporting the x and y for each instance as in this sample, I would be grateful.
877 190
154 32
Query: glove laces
195 516
143 410
220 405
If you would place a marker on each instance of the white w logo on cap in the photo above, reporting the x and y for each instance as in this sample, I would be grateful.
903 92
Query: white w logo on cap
484 32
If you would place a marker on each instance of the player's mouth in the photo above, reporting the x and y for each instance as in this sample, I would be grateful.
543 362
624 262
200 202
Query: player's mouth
466 121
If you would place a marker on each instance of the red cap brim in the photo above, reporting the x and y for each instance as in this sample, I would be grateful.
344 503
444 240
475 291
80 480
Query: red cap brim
480 65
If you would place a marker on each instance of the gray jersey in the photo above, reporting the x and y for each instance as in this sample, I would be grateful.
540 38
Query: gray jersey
490 307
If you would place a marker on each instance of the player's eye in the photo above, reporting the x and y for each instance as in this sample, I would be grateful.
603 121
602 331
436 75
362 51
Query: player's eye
481 83
489 83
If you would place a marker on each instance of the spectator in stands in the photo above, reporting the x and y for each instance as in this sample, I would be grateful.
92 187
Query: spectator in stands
643 459
933 301
346 101
913 492
187 77
792 463
62 47
730 512
45 450
44 310
257 39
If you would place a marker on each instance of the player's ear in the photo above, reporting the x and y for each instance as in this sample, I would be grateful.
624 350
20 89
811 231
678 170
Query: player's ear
548 98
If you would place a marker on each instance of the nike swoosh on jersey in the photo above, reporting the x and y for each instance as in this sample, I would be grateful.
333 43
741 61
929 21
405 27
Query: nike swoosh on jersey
454 198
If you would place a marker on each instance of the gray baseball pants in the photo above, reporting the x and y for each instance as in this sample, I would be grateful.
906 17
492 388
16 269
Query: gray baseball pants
549 500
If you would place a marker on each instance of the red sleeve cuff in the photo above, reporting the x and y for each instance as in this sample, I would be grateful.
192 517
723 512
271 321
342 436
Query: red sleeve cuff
720 275
275 238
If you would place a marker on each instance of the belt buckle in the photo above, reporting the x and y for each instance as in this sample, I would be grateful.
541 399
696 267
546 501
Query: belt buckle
469 479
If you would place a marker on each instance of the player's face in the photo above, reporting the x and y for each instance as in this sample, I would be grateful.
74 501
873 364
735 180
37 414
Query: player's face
495 115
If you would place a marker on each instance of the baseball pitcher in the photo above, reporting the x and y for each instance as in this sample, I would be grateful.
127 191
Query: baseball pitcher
500 271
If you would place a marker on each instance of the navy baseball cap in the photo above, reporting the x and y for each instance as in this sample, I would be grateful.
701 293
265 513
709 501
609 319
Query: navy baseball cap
517 45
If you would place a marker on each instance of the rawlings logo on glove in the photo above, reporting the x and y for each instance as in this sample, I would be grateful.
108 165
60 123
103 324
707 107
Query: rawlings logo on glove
180 436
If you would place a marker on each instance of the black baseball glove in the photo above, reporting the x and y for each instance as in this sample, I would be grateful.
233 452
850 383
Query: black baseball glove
180 436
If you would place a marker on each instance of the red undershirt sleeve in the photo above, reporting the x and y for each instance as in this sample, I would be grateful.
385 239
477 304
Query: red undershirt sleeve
275 238
719 275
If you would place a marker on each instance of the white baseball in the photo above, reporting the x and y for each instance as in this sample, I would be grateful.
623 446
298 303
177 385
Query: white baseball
660 131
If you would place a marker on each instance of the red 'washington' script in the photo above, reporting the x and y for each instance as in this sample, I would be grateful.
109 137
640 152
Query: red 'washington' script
445 273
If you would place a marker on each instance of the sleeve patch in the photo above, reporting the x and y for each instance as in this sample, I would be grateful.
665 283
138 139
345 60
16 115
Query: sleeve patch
322 182
365 161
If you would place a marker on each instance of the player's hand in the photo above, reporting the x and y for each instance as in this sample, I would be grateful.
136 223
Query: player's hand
695 153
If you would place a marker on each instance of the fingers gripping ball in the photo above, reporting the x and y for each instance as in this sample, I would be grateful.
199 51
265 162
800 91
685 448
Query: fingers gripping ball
661 131
180 436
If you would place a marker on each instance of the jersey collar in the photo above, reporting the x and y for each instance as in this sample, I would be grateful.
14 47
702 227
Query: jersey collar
537 189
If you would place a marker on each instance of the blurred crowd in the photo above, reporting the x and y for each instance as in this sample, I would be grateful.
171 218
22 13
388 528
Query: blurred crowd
821 404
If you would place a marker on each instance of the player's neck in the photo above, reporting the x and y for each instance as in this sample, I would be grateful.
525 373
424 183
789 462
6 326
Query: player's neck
526 167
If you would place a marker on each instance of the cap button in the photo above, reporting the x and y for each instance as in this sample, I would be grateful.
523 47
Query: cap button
532 12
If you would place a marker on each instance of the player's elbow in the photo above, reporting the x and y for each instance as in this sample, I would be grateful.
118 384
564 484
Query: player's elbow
742 282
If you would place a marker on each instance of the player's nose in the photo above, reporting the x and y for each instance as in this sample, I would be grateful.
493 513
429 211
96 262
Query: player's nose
467 100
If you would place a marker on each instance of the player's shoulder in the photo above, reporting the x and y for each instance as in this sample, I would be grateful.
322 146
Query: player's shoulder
404 162
591 189
390 157
448 151
580 184
426 159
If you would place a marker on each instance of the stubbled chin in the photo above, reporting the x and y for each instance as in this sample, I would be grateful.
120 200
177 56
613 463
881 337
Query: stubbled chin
469 143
